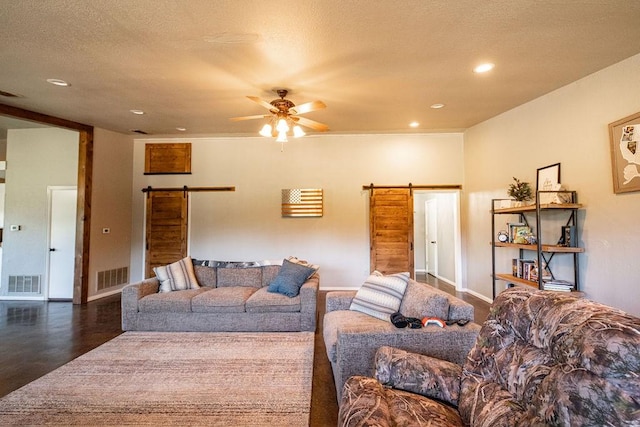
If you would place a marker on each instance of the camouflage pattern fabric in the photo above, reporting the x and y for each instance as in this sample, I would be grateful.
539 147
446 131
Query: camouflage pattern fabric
542 359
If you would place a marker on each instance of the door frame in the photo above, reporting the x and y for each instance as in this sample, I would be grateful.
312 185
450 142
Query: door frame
50 190
457 234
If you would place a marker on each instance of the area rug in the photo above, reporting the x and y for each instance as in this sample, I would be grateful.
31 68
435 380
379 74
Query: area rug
157 378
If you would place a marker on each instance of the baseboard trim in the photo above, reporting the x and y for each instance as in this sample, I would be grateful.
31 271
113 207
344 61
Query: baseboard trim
104 294
477 295
18 298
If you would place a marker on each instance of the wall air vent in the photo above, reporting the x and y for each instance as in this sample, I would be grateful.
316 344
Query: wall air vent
24 285
115 277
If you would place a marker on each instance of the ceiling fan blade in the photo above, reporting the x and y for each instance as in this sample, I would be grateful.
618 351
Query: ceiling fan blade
259 116
307 107
321 127
262 102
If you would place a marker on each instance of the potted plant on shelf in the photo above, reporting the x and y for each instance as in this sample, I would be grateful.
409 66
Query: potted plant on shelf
519 191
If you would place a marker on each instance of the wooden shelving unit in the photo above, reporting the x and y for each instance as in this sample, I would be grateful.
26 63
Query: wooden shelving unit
544 252
545 248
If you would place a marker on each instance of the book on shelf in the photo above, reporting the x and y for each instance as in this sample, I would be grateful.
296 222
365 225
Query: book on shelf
558 285
527 269
513 226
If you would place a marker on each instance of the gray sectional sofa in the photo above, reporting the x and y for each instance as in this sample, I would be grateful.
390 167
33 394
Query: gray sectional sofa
228 299
352 337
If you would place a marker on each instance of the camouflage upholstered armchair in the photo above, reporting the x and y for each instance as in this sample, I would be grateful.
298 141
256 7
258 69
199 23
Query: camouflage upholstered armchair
542 358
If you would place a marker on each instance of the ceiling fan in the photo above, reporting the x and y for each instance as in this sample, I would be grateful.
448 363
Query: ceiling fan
284 115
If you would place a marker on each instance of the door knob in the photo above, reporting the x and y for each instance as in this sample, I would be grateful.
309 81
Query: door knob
52 249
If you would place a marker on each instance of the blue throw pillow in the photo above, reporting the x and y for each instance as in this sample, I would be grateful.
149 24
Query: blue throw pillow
290 278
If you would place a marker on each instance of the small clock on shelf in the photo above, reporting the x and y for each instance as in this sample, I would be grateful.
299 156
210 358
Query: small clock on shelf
503 236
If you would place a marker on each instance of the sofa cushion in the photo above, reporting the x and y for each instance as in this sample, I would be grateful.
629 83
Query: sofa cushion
428 376
422 300
177 276
206 276
222 300
178 301
290 278
380 296
269 273
263 301
366 402
247 277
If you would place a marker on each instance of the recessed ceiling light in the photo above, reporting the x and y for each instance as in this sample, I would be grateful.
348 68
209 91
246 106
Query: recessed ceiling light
58 82
414 124
436 106
181 129
138 112
483 68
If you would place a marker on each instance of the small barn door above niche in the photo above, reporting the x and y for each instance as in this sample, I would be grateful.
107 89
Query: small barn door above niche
160 159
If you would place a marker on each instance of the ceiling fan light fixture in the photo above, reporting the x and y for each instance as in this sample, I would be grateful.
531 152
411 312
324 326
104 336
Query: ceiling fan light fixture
298 132
282 137
282 126
284 117
266 131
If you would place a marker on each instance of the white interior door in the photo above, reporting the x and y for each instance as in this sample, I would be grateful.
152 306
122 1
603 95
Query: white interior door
62 241
431 240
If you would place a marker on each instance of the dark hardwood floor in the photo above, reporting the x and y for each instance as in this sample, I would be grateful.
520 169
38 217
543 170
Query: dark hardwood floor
38 337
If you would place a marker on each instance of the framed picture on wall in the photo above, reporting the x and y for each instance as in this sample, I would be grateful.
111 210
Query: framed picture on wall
548 181
548 178
624 135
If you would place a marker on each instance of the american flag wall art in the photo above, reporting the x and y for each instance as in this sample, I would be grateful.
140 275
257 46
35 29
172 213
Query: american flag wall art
302 202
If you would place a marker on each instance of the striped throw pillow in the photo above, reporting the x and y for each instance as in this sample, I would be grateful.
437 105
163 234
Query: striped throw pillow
177 276
380 296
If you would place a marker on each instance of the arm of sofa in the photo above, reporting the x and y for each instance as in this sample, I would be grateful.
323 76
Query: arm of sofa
356 346
339 300
309 303
428 376
459 310
131 294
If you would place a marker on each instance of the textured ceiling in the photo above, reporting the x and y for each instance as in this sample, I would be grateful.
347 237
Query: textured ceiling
377 64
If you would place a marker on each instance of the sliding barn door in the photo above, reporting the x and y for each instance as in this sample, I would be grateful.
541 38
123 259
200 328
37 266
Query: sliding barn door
166 228
391 230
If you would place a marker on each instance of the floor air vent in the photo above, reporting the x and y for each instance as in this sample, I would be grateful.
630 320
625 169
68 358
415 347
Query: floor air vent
115 277
24 285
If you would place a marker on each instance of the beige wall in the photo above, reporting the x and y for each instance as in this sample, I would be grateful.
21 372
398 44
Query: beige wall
568 126
49 157
110 205
36 159
246 224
